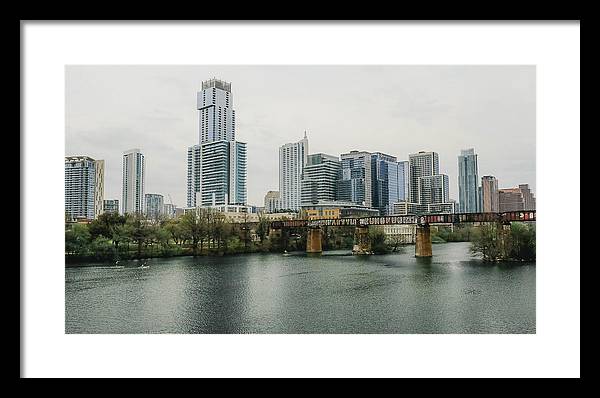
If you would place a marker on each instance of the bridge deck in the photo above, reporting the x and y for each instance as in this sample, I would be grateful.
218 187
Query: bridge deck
456 218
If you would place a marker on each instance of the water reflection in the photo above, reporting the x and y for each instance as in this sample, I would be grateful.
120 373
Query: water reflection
453 292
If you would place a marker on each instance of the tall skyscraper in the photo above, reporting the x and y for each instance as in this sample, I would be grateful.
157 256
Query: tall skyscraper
356 182
154 205
468 181
489 194
193 174
292 159
404 180
99 190
223 173
84 187
216 114
217 169
319 179
134 171
422 164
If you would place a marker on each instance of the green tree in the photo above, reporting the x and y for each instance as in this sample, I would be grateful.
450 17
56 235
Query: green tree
77 239
492 241
139 230
377 238
262 229
522 241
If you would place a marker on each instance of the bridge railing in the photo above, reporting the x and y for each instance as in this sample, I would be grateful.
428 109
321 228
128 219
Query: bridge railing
456 218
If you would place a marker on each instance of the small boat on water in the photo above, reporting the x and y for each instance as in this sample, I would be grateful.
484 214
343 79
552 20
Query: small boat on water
144 265
285 253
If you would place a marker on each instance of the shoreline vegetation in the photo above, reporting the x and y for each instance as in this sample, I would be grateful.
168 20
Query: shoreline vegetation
206 232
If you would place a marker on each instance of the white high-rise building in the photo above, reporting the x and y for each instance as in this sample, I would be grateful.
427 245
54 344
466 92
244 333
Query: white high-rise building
216 113
134 171
422 164
193 174
217 165
84 187
292 159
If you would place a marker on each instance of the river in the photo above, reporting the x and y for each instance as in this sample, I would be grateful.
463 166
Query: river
453 292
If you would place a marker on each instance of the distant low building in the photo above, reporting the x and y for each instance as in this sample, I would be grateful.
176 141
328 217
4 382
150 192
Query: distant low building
409 208
169 210
337 209
272 202
516 199
154 205
111 206
399 233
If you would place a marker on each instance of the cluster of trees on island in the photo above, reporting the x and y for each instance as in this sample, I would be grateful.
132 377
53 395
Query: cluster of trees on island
207 232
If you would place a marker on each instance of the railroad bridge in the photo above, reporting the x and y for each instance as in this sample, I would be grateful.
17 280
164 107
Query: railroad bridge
423 236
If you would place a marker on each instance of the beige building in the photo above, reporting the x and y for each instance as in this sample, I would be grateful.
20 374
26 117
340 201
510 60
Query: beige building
489 194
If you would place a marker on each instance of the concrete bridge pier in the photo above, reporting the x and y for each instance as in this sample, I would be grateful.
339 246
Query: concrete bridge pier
362 243
314 239
274 233
423 241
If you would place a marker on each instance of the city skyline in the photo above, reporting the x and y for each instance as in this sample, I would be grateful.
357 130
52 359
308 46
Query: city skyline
167 153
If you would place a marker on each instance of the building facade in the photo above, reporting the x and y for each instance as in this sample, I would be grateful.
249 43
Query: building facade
222 173
154 205
169 210
193 174
434 189
84 187
489 195
111 206
272 202
215 111
292 159
516 199
468 182
133 189
356 182
421 164
319 179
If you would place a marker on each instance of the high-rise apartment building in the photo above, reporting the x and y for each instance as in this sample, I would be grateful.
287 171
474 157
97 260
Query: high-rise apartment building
356 182
489 195
215 111
292 159
272 202
84 187
389 181
223 173
111 206
134 172
319 179
422 164
434 189
468 182
217 169
154 205
193 174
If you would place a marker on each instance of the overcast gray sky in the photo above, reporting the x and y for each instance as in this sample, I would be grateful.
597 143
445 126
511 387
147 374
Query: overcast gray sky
392 109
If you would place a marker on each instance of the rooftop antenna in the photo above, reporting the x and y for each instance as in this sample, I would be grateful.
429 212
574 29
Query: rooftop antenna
304 134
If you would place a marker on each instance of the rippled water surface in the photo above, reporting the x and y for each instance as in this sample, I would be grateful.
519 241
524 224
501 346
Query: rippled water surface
336 293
